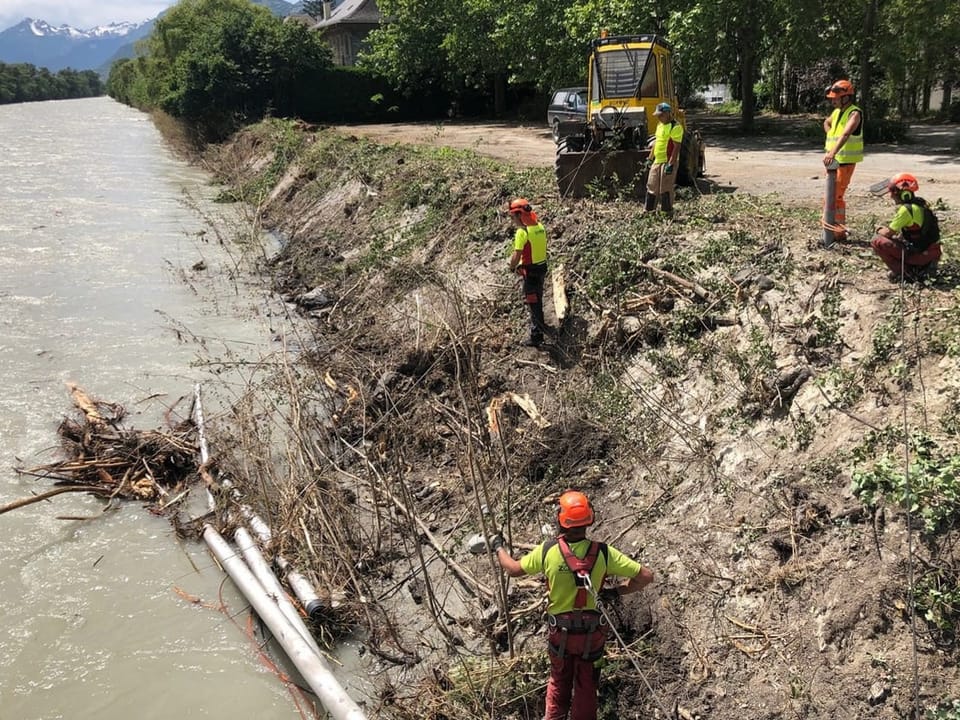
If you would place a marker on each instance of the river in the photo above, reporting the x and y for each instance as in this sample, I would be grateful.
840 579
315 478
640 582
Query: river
101 228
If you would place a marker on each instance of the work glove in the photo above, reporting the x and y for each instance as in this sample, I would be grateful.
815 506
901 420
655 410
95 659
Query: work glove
478 544
608 596
668 168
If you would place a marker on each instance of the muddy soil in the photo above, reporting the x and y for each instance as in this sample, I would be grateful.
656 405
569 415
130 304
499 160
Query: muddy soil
782 158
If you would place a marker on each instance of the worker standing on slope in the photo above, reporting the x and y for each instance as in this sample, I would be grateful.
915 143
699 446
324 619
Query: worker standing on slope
529 259
664 155
575 567
844 145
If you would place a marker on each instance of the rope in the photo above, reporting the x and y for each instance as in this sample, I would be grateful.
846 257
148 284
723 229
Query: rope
630 653
906 476
836 228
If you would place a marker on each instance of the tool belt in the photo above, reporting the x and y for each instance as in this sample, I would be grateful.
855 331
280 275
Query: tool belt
580 632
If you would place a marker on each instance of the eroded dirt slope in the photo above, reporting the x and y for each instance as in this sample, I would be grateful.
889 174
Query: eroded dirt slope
717 414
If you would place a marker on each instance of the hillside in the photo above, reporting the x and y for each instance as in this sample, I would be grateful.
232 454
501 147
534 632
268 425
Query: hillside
719 384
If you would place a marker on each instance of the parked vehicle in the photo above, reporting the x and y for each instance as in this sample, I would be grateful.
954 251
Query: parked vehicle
566 105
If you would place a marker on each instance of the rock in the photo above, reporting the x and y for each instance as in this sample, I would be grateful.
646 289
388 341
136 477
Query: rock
764 283
878 693
630 325
314 300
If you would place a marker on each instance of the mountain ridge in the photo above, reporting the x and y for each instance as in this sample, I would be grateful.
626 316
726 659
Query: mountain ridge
40 43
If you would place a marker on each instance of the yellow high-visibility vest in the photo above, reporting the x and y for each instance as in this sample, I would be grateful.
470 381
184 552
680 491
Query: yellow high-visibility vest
852 150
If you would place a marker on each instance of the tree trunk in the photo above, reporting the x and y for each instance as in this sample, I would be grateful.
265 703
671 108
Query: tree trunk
777 84
748 62
866 84
947 95
499 95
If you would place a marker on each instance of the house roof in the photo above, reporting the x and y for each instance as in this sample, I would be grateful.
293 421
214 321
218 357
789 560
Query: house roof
353 12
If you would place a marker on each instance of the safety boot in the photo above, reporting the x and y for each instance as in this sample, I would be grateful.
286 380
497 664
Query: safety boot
650 202
666 204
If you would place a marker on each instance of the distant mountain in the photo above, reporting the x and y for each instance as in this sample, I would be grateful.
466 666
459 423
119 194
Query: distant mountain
39 43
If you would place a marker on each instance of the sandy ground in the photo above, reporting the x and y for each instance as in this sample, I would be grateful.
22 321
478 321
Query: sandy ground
787 165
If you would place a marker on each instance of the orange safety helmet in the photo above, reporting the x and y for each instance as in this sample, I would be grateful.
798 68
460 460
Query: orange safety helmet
903 182
840 89
521 207
575 510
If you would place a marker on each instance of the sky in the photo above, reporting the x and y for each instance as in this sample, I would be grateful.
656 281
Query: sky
81 14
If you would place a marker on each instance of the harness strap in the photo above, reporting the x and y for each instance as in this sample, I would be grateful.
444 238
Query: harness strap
581 569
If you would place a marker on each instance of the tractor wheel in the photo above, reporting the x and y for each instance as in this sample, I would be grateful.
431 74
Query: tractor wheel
686 172
567 165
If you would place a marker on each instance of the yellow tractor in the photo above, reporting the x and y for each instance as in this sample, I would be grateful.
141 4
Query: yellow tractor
628 76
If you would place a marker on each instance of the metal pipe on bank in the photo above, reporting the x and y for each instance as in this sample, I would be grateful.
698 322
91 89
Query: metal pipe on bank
263 591
830 204
311 666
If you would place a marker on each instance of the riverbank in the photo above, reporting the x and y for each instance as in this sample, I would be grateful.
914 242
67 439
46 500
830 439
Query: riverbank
720 382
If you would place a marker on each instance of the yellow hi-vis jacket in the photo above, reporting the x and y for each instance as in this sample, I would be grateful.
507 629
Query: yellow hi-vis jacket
852 150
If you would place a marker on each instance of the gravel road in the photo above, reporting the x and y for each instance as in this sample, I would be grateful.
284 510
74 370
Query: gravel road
786 165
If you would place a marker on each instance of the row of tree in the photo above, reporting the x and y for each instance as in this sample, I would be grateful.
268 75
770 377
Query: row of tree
219 62
216 63
22 82
779 54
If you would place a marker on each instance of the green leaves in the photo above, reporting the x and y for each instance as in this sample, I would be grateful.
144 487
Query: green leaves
217 63
929 489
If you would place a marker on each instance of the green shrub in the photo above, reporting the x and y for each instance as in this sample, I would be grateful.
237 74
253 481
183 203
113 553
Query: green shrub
884 131
930 489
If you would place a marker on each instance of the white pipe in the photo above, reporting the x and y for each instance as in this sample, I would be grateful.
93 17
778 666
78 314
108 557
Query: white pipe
311 666
301 587
261 570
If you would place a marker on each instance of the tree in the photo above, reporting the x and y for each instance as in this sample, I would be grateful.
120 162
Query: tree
313 8
218 63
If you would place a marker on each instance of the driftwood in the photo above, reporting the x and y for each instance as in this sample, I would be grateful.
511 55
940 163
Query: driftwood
521 401
23 502
698 290
102 456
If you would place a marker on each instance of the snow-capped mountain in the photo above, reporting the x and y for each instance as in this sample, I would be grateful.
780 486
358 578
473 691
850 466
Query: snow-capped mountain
41 28
39 43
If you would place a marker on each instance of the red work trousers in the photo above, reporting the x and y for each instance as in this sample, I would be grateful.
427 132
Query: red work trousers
892 254
572 688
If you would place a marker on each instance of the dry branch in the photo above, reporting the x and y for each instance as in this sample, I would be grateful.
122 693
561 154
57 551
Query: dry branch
23 502
693 287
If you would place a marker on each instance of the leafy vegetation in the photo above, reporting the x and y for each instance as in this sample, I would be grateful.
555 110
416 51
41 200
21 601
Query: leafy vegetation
778 55
929 489
219 63
25 83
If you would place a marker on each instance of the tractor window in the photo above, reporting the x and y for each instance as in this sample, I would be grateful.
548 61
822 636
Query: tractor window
667 76
650 87
618 72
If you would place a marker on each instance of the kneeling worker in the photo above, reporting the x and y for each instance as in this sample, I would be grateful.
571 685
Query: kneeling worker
910 245
575 568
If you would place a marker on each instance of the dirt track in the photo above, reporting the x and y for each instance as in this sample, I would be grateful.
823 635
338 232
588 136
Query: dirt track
785 164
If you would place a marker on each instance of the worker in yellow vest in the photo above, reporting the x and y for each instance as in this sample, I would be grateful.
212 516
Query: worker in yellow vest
529 260
664 160
844 145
